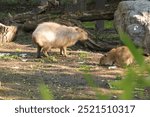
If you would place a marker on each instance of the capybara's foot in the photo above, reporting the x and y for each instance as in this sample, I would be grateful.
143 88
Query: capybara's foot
46 54
65 55
39 57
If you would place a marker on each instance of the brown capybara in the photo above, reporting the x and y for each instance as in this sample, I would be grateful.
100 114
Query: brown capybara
120 56
49 35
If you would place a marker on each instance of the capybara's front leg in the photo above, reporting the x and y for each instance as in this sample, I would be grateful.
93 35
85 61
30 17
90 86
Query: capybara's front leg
38 51
61 51
65 51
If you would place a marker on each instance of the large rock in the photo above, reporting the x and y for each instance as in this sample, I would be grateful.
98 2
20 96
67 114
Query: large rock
133 17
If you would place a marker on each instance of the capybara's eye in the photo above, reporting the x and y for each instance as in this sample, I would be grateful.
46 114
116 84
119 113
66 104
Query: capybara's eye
77 29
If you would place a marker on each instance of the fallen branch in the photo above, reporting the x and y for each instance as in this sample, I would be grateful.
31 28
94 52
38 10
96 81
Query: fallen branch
93 15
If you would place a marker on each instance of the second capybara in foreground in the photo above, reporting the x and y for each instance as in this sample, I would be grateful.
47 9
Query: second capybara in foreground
49 35
120 56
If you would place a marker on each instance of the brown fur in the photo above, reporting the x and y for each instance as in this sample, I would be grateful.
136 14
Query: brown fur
52 35
120 56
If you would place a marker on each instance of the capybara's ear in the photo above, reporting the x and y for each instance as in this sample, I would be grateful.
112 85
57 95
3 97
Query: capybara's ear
76 28
123 48
105 55
79 29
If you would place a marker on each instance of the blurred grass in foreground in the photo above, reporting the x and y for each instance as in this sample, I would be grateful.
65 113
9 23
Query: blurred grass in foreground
46 93
135 80
135 77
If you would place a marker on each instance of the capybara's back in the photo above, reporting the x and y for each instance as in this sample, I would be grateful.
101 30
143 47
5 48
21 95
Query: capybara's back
53 35
118 56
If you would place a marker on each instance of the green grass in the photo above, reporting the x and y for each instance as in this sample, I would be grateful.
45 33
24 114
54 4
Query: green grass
108 24
9 57
52 59
47 59
84 68
135 78
90 25
83 55
46 93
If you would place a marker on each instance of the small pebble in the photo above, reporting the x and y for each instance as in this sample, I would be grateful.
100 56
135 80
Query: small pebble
112 67
23 55
24 60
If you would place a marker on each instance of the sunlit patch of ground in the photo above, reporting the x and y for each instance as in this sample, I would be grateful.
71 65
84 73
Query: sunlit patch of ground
21 73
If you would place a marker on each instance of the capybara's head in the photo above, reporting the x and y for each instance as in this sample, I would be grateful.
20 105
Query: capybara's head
106 59
83 35
119 56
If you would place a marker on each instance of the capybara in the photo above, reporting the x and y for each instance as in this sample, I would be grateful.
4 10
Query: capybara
120 56
49 35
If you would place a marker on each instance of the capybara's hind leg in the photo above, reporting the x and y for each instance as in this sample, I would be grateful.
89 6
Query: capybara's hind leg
38 51
45 51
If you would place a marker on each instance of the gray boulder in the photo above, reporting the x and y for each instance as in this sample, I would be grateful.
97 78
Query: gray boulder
133 17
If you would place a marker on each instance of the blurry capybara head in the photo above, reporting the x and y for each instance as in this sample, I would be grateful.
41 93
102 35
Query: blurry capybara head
108 58
83 35
120 56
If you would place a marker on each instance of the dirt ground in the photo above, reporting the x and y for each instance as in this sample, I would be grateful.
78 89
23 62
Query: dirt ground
21 73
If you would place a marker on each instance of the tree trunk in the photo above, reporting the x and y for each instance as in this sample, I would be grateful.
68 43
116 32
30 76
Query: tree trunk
7 33
100 4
